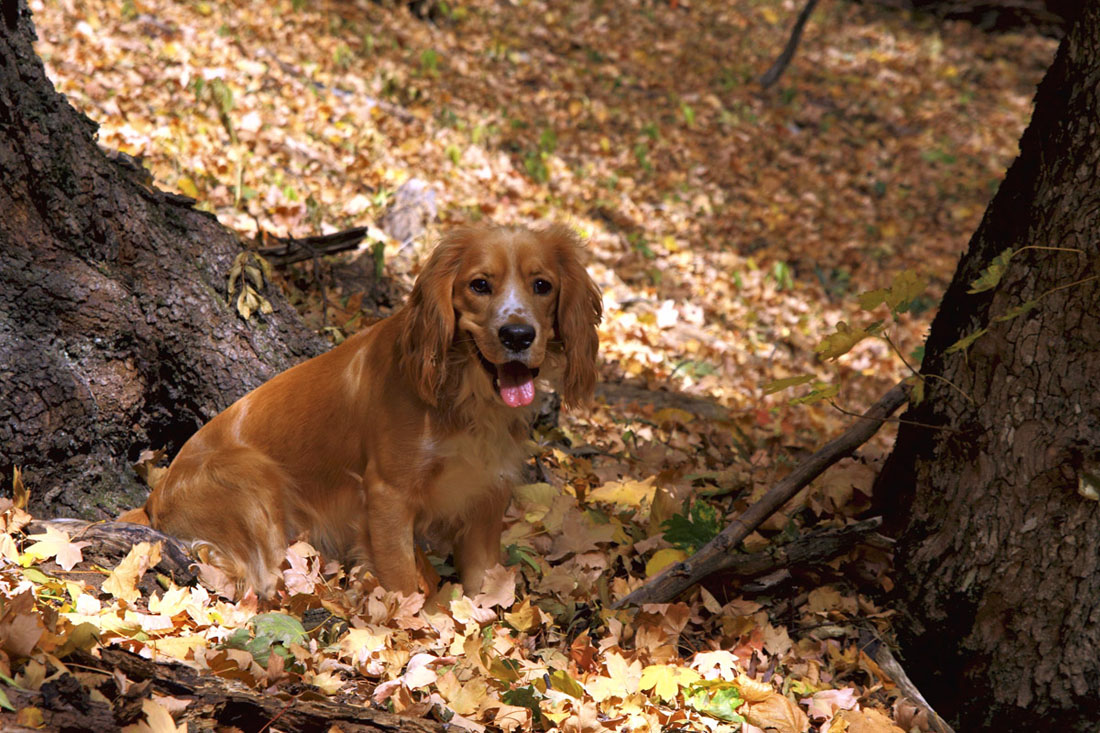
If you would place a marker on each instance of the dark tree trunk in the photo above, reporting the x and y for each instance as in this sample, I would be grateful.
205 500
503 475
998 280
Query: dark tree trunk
1050 17
115 335
998 566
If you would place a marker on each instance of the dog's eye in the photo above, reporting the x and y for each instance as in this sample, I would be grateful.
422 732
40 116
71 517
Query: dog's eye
481 286
542 287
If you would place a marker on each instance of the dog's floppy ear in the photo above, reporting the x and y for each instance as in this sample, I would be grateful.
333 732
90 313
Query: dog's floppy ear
580 307
430 326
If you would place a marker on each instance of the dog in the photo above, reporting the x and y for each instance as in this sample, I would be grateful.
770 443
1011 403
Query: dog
413 427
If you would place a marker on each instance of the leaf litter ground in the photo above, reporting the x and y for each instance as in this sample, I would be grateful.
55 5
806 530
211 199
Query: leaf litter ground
731 232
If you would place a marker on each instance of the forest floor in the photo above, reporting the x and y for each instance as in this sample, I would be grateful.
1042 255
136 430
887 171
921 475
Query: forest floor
731 231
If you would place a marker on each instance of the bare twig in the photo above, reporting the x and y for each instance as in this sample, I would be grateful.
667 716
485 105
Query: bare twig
716 555
771 76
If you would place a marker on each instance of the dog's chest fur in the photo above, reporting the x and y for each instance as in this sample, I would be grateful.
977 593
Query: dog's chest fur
471 465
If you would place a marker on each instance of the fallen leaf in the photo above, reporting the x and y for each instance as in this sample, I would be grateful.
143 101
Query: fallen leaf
55 543
824 705
122 581
777 713
867 721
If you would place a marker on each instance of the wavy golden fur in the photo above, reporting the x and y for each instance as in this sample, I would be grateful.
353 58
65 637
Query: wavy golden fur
412 426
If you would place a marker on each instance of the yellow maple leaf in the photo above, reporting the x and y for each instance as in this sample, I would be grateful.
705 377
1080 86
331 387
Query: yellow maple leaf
53 543
667 679
628 492
122 582
662 559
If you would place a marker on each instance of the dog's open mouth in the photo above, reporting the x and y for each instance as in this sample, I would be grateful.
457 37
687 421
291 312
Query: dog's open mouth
514 381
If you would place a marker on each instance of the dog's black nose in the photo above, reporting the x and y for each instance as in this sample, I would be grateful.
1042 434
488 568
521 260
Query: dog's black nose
516 336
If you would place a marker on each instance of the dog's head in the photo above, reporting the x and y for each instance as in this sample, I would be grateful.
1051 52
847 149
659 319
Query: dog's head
513 295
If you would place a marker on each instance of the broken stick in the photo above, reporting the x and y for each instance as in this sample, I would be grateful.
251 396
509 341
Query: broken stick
718 553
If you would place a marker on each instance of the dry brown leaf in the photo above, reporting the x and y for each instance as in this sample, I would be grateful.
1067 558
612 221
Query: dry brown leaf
869 720
777 713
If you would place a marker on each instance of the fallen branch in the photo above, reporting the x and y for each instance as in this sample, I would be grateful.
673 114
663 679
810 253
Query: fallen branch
716 555
885 659
288 250
211 702
116 538
771 76
813 548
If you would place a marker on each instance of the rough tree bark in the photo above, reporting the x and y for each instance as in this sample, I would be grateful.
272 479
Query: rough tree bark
998 568
115 335
1050 17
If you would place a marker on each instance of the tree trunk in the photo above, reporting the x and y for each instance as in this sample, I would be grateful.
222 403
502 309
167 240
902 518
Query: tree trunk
115 333
998 569
1049 17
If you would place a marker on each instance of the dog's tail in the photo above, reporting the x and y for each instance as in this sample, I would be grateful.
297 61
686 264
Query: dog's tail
136 516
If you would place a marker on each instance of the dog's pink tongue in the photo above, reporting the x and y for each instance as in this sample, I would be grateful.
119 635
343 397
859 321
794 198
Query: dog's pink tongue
517 385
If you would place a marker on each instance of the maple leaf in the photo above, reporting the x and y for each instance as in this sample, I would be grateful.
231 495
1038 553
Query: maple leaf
662 559
54 543
20 625
628 492
991 276
157 720
498 588
358 644
525 617
667 679
718 664
777 713
691 531
122 581
865 721
579 534
825 704
464 699
843 339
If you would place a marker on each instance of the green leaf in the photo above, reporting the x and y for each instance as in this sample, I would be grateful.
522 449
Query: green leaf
991 276
781 384
905 288
516 554
823 391
692 531
279 627
916 393
5 702
271 633
1019 310
562 682
526 697
378 252
841 341
964 343
720 703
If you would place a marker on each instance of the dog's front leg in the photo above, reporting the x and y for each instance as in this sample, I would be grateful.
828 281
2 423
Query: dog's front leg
477 546
389 528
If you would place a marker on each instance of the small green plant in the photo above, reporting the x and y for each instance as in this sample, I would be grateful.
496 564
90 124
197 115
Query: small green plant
429 62
781 273
688 113
693 528
342 56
